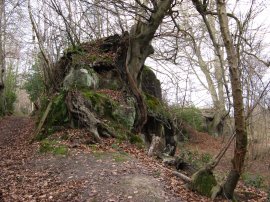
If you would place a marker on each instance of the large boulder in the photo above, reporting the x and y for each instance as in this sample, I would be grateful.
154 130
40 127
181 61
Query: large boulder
98 95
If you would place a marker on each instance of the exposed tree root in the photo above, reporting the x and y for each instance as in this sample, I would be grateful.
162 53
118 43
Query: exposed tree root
80 112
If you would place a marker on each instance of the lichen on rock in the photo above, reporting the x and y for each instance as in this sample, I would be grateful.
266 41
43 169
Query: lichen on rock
81 78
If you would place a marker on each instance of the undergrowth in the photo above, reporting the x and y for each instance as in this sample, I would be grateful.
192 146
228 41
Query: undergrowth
194 158
190 115
253 180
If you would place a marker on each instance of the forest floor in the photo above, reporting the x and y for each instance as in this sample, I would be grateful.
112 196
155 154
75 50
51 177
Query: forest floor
111 171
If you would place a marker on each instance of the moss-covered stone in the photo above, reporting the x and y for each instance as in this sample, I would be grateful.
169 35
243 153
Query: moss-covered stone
100 103
110 110
125 115
58 115
156 107
56 119
81 78
150 83
203 182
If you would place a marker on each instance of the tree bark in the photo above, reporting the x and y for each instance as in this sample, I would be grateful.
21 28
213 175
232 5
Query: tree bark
139 49
49 78
2 46
216 91
240 124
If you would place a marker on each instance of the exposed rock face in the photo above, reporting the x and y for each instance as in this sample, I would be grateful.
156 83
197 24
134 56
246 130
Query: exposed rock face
81 78
150 83
126 113
98 96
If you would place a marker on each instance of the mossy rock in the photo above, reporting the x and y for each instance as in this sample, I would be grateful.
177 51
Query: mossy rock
110 80
155 107
150 83
58 116
108 109
190 115
125 115
81 78
100 103
203 182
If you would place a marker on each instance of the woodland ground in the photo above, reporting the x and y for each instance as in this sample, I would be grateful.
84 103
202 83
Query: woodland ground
111 171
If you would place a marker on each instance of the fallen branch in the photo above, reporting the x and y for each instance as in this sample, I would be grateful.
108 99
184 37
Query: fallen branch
182 176
43 119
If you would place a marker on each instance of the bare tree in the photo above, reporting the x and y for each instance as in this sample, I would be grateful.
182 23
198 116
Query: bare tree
2 44
139 49
238 104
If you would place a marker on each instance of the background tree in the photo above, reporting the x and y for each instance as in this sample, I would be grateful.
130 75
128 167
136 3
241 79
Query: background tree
2 44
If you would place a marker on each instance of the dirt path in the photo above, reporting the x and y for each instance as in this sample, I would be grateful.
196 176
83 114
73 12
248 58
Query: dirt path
82 175
108 172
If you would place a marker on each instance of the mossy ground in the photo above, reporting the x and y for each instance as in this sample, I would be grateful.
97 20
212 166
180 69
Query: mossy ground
52 146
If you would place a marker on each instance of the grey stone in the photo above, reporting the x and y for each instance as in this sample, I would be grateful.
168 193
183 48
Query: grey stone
80 78
126 114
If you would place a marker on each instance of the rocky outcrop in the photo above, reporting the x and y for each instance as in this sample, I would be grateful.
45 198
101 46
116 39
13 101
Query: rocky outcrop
95 92
150 83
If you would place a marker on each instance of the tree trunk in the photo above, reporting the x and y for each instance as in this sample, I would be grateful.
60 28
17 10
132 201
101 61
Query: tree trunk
2 48
217 93
240 125
139 49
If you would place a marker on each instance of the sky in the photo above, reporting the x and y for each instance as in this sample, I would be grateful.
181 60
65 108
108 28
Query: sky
197 95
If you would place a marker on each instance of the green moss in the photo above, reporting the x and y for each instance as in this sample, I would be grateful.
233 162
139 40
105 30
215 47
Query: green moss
110 110
120 131
194 158
156 107
51 146
137 140
116 156
99 154
152 103
120 156
203 181
101 103
74 50
60 150
59 114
